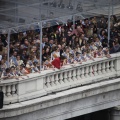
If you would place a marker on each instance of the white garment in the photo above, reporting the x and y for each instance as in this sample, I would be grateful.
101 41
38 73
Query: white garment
20 62
0 57
56 53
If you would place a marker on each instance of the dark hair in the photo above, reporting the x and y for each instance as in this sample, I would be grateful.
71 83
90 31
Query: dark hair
18 55
55 48
12 67
77 53
62 57
99 47
7 70
22 65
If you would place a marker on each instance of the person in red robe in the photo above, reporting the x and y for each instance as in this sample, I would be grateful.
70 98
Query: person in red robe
58 61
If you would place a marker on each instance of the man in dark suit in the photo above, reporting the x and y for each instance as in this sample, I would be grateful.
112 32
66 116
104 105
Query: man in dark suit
105 41
4 40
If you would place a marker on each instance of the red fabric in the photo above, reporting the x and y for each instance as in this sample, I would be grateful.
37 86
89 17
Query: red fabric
56 63
59 28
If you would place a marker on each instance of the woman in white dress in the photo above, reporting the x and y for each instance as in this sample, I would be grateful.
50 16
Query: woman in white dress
19 61
56 52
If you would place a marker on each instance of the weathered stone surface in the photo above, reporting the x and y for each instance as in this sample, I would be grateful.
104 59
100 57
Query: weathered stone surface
66 104
71 91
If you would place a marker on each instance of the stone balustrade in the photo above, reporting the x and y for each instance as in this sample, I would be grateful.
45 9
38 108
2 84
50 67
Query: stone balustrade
10 91
80 74
69 76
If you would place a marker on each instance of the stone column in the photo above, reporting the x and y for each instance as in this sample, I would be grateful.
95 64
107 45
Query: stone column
115 113
117 64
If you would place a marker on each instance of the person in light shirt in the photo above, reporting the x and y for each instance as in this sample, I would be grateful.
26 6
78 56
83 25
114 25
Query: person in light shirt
97 42
29 64
3 65
6 74
106 52
67 52
93 46
56 52
71 59
13 59
35 68
19 61
78 58
85 57
99 52
23 71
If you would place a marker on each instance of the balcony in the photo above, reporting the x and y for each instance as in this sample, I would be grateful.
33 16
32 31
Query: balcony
70 76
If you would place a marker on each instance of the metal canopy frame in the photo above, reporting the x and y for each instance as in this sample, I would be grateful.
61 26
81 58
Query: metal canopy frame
17 13
61 12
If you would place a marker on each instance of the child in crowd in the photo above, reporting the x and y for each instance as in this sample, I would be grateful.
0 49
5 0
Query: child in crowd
84 56
23 71
35 67
29 64
6 74
78 58
106 52
71 59
61 45
99 53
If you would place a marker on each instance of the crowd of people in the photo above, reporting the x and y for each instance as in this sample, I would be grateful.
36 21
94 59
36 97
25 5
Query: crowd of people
62 44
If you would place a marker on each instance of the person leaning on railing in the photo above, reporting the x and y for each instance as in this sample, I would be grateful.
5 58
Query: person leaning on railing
88 39
7 74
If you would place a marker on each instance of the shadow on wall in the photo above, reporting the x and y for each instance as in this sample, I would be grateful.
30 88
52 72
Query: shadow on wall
100 115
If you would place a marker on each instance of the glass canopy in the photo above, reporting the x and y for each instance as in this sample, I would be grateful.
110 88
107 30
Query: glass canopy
20 15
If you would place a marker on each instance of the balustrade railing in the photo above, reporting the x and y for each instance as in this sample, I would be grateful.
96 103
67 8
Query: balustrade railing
79 74
9 91
40 84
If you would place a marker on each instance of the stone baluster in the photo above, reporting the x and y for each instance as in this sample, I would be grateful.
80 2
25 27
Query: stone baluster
4 90
56 79
99 69
112 66
87 71
45 82
95 70
103 68
48 81
13 88
65 76
107 67
8 90
82 73
91 71
52 80
70 76
78 74
61 78
74 75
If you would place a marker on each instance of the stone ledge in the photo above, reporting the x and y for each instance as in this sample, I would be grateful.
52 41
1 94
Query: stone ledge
59 98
